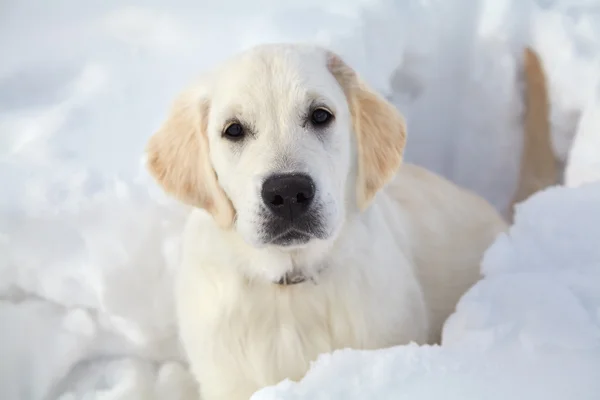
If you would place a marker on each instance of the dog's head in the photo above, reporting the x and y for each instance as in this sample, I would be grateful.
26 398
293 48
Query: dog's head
280 143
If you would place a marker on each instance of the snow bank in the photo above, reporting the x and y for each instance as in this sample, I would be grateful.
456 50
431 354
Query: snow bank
529 330
583 164
574 76
566 34
86 279
88 243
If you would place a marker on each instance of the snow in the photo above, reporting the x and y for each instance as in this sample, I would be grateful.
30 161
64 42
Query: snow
88 243
583 164
567 36
529 330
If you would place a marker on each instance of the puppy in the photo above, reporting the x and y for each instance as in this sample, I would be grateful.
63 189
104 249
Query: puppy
308 235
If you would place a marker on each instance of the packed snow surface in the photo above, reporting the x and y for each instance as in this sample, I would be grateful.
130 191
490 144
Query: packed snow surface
88 243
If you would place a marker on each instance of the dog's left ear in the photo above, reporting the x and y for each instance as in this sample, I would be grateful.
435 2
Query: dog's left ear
380 131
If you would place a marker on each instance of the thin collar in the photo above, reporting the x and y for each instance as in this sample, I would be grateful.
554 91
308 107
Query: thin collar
296 276
293 277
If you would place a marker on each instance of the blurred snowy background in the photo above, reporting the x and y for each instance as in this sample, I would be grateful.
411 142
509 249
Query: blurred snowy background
88 242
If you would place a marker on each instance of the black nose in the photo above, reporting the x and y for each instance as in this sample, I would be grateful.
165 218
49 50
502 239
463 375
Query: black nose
288 195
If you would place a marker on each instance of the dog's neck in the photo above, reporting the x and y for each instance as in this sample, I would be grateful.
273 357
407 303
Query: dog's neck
277 266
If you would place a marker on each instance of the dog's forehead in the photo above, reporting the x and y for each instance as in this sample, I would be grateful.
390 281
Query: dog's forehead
282 71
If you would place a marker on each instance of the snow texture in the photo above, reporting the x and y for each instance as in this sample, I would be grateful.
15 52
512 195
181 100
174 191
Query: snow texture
529 330
88 242
584 157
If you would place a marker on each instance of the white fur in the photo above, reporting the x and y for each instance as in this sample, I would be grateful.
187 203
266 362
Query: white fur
387 276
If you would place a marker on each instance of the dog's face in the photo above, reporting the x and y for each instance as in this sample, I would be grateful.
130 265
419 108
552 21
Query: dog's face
278 132
272 143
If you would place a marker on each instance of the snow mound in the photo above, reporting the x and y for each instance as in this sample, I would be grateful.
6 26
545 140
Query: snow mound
86 294
530 329
573 26
584 157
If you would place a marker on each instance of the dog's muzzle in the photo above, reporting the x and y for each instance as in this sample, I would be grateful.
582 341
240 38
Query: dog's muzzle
290 216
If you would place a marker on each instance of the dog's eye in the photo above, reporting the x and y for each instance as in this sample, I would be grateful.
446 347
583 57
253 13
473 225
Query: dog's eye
321 117
234 131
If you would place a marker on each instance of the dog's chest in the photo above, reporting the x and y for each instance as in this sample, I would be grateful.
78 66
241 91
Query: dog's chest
251 335
275 333
266 334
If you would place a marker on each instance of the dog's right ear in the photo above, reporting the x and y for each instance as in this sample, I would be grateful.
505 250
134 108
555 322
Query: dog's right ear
380 131
178 158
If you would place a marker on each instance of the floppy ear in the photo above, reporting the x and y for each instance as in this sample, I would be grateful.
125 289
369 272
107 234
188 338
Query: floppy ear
177 157
380 132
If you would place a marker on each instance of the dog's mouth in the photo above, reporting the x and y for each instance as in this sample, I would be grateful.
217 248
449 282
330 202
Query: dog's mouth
291 237
292 233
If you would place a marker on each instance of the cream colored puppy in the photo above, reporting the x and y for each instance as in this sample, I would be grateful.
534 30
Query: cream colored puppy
308 234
